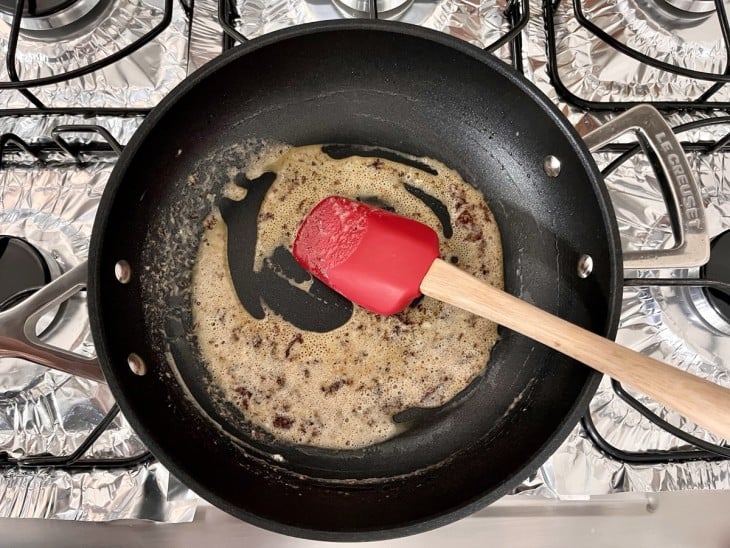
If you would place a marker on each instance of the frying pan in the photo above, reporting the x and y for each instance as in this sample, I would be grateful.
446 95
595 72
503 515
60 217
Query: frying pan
363 87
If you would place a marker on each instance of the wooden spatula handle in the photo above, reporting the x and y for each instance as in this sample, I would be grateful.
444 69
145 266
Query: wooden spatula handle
703 402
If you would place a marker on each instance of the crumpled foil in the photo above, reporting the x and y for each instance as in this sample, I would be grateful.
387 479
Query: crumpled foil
145 492
595 71
206 35
480 23
660 322
52 205
37 128
139 80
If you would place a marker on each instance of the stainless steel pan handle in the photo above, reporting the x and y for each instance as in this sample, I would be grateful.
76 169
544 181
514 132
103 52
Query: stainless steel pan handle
18 337
683 197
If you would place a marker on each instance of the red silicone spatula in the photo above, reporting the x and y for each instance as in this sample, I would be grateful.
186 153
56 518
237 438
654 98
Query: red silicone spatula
382 261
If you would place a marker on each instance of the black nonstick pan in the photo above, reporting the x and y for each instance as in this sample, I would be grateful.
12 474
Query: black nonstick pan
362 87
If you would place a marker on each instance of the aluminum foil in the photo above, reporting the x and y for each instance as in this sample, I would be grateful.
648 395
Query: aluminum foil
52 205
595 71
139 80
664 323
146 492
660 322
36 129
480 23
206 35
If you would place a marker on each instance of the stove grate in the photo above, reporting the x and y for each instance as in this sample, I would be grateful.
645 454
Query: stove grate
516 13
702 450
12 145
24 86
700 103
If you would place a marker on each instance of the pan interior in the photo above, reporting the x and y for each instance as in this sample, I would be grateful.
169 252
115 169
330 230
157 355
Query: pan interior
367 87
409 451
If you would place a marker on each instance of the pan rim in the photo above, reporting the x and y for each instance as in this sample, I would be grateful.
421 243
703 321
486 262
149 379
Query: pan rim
95 301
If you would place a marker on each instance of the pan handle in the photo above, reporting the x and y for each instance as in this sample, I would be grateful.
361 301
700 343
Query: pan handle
18 337
683 197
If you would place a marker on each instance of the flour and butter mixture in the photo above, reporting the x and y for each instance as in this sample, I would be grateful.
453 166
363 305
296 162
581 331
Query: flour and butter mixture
340 389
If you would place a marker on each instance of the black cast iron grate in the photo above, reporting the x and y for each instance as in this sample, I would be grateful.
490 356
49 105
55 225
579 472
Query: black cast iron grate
699 103
699 449
24 87
60 146
516 13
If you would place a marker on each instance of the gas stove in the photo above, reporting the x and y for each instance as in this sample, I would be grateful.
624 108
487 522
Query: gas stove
79 77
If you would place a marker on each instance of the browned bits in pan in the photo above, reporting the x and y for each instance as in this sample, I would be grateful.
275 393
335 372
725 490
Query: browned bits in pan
245 396
335 386
210 222
341 388
466 218
428 394
280 421
297 339
332 388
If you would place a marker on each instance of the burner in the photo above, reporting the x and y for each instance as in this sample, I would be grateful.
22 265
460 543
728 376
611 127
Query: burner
37 8
718 268
688 7
47 15
22 268
387 9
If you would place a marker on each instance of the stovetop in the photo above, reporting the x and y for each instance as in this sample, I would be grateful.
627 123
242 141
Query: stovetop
103 64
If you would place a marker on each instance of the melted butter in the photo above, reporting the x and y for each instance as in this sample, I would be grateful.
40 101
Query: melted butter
234 192
340 389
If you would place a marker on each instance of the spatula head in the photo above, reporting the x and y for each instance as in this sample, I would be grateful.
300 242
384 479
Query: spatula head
375 258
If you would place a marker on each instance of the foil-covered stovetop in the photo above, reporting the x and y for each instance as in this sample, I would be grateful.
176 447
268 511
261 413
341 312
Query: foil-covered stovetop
52 204
594 70
656 321
139 80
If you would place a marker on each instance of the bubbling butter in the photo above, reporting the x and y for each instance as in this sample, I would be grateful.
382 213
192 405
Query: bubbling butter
340 389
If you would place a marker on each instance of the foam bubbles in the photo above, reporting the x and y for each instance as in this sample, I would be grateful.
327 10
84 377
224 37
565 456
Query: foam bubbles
340 389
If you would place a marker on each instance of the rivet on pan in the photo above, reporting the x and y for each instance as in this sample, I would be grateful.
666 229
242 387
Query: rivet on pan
551 165
123 271
585 266
136 364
